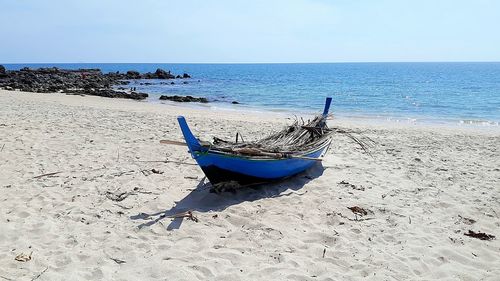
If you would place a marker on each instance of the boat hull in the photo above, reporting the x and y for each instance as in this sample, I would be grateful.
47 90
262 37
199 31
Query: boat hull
219 167
222 167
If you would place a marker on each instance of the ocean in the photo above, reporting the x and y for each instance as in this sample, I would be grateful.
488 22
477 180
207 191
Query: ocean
447 93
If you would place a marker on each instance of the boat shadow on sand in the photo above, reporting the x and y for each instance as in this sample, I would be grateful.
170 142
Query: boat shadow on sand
202 200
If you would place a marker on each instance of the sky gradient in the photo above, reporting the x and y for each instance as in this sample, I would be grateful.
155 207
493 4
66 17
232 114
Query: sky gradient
234 31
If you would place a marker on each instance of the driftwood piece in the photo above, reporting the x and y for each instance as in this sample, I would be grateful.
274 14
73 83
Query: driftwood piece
152 171
256 152
47 174
358 210
465 220
181 143
117 197
173 142
479 235
186 214
118 261
167 161
39 274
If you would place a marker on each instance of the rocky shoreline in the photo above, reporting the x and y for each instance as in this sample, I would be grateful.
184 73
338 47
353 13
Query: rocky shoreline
80 82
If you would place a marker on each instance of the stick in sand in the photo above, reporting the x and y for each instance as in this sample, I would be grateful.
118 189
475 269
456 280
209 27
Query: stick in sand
173 142
48 174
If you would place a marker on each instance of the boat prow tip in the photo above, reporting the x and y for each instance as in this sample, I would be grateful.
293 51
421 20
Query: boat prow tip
191 141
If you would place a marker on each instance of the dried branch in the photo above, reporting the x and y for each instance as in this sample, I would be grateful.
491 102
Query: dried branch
294 139
298 137
40 274
48 174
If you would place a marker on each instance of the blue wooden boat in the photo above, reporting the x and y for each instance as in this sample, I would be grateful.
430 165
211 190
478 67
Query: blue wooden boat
223 165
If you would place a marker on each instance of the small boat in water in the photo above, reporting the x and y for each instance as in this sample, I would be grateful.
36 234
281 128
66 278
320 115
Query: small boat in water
278 156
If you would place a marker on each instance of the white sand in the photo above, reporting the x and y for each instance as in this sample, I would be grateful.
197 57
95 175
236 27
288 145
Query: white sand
420 186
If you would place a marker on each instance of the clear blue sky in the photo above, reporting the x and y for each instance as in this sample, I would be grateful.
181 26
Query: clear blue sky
248 31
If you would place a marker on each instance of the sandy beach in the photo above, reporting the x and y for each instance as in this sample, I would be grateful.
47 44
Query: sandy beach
81 198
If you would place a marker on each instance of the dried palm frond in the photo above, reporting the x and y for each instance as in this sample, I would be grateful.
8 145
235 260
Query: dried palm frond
293 139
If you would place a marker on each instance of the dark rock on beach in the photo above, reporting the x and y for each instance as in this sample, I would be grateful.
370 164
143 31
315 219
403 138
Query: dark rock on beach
138 96
108 93
132 74
158 74
80 81
162 74
184 99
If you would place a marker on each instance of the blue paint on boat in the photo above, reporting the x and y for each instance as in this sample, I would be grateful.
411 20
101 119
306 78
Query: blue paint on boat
327 106
223 167
191 141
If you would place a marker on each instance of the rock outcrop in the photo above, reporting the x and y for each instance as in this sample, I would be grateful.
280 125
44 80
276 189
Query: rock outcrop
2 71
80 81
184 99
108 93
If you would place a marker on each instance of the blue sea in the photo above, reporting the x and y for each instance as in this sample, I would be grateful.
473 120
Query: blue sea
449 93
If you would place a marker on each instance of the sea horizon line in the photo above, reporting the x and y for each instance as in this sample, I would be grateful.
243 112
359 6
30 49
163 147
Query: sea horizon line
248 63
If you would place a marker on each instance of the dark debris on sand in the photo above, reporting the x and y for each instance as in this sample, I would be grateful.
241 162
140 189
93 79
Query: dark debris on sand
358 210
479 235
